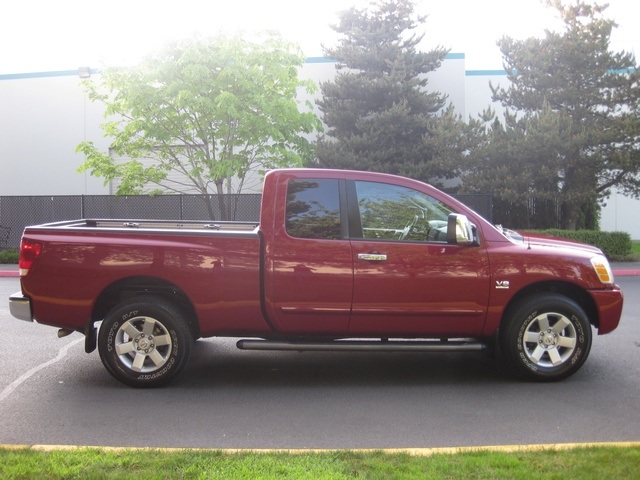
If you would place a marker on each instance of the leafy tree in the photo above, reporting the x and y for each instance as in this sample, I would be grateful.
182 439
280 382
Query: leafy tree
206 112
571 129
378 113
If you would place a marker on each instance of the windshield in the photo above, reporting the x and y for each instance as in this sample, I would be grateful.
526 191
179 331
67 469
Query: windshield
511 235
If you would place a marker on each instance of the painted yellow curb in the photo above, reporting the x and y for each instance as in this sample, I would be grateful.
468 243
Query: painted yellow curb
423 452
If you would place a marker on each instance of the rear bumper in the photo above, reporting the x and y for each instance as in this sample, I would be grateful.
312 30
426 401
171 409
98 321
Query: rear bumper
20 307
609 303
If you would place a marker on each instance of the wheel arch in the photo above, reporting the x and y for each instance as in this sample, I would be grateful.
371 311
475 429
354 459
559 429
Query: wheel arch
569 290
131 287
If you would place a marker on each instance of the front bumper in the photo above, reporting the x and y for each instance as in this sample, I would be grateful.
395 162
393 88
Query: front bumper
609 304
20 307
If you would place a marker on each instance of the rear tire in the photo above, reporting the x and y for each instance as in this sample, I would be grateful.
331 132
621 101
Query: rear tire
546 337
144 342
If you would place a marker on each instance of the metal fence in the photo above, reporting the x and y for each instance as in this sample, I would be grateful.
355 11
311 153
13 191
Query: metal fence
479 203
16 212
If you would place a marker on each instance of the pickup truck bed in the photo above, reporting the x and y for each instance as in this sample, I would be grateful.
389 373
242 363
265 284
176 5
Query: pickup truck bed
155 225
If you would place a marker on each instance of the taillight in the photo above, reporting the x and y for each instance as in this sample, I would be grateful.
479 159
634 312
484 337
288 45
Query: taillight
29 251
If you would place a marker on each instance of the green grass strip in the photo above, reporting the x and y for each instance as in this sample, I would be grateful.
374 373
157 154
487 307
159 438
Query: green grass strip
594 462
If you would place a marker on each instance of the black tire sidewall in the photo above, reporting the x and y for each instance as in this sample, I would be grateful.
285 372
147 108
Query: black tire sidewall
172 320
519 320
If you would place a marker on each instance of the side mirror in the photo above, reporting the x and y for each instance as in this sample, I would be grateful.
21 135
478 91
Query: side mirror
459 230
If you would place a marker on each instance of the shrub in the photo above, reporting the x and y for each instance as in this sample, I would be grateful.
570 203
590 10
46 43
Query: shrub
9 256
615 245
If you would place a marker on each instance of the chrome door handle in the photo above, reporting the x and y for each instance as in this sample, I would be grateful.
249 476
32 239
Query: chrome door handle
372 257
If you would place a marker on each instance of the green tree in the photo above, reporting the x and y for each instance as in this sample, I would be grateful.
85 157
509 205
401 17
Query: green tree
206 112
519 161
571 129
378 112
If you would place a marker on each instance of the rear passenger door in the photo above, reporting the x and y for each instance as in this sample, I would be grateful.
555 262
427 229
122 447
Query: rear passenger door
312 270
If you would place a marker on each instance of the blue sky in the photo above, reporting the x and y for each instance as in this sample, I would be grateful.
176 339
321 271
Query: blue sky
45 35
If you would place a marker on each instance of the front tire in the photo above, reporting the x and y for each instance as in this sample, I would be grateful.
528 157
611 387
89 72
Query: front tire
547 337
144 342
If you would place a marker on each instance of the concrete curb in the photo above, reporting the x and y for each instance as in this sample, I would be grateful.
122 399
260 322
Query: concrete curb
423 452
626 273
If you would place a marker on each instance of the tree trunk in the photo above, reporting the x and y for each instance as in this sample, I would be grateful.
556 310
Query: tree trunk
207 202
570 215
578 190
224 213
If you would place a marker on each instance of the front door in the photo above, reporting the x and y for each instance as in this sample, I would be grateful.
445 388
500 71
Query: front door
407 280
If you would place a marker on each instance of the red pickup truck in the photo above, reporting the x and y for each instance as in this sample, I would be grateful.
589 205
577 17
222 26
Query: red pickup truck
340 260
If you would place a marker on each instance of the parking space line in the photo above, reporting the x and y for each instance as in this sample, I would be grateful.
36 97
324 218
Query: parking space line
23 378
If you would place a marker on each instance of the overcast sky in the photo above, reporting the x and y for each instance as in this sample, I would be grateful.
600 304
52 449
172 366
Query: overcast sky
49 35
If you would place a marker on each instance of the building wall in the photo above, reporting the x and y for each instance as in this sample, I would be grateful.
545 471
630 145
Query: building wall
44 116
478 90
620 213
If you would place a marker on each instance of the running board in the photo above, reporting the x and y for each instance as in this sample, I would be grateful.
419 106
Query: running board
363 346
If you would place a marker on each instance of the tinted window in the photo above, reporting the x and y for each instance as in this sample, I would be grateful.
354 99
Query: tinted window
391 212
313 209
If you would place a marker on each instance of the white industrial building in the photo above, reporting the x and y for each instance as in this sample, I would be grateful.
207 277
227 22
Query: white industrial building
45 115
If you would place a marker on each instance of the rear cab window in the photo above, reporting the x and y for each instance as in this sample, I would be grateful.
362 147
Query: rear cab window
313 209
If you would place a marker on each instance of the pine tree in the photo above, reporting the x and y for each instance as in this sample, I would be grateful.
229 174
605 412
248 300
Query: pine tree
572 122
378 111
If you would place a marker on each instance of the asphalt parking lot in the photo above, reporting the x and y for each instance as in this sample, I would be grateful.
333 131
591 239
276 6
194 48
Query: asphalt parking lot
52 393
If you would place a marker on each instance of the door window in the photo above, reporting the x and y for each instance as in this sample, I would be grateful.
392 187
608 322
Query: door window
392 212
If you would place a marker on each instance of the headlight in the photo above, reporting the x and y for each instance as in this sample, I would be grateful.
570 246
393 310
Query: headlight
602 268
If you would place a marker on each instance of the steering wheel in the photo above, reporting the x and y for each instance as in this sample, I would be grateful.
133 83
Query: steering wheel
407 230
